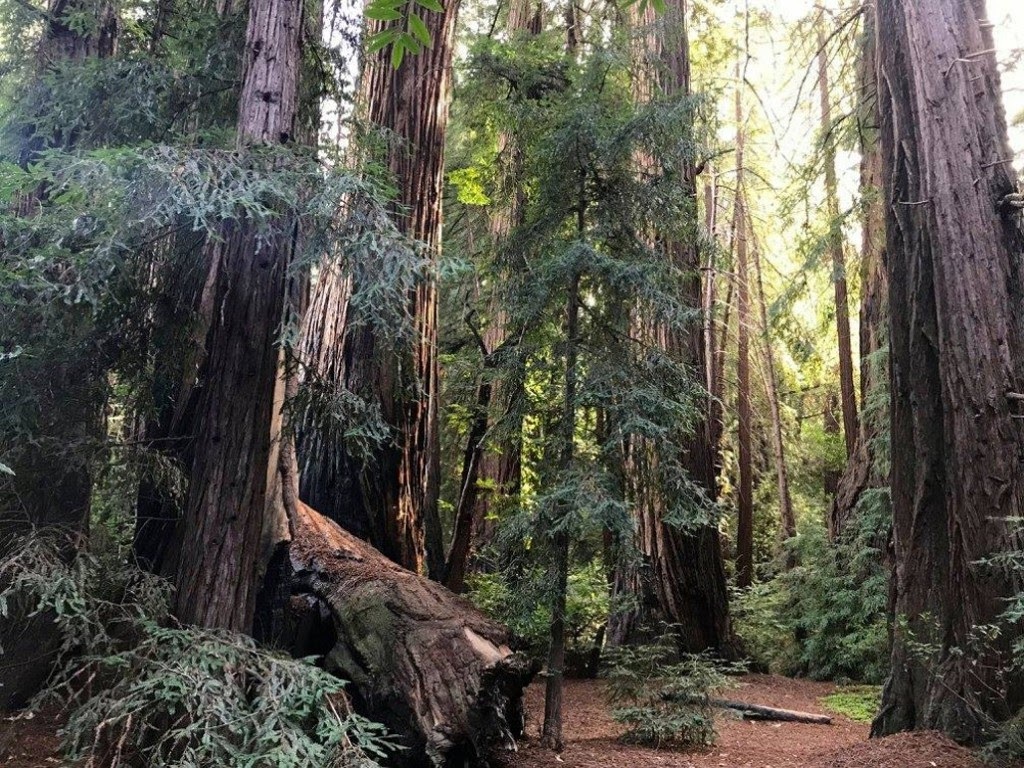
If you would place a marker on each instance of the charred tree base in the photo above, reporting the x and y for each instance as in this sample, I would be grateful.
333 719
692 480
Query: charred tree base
425 662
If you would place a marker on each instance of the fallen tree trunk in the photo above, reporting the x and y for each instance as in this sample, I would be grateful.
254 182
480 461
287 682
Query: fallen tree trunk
757 711
420 659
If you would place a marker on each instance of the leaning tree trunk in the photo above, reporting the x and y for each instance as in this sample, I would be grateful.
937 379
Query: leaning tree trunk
865 470
239 410
391 498
439 674
957 351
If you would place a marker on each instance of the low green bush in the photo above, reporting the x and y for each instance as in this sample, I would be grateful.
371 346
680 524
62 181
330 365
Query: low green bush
663 697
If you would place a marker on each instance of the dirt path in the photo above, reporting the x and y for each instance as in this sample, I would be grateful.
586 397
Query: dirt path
591 736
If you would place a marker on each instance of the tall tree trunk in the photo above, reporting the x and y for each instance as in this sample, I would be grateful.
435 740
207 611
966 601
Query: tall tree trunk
786 515
835 246
957 351
551 735
492 468
745 521
863 470
390 497
235 455
687 574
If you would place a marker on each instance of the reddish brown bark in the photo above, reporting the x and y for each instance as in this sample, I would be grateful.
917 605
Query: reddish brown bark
862 470
848 395
392 496
683 581
239 406
957 351
439 674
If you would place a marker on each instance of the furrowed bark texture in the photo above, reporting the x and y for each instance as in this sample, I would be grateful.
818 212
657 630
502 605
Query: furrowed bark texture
687 574
235 454
957 346
420 659
391 498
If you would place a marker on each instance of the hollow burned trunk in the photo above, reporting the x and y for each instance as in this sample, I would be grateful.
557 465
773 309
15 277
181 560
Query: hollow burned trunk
419 658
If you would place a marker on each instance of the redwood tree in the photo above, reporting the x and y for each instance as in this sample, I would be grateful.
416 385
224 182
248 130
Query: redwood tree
686 579
848 396
957 351
388 494
864 469
239 405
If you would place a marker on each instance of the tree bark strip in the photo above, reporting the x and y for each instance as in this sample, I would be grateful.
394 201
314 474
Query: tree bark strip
957 345
239 407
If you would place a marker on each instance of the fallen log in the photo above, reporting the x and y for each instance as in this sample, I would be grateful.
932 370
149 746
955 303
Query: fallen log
419 658
756 711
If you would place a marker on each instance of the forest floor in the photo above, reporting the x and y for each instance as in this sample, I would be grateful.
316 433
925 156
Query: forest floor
591 736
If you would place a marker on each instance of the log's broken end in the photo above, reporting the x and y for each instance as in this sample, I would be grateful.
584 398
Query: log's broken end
442 676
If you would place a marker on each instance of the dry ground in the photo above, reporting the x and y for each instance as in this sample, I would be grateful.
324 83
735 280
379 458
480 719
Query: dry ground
591 736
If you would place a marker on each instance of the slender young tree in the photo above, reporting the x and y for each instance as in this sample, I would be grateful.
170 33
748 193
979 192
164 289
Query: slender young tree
786 514
239 406
390 496
954 249
745 520
836 251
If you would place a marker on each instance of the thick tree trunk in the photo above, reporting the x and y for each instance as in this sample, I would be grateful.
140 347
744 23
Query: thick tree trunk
848 395
421 660
863 471
391 497
239 411
957 345
686 572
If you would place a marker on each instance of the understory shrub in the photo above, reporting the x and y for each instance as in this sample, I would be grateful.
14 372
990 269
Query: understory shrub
827 617
141 691
663 697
